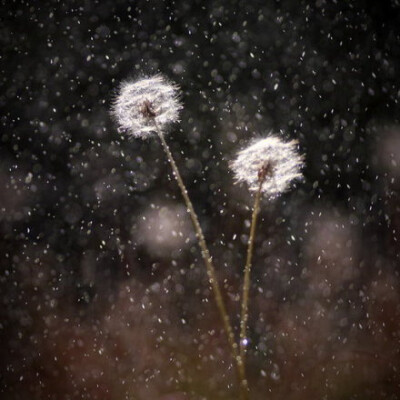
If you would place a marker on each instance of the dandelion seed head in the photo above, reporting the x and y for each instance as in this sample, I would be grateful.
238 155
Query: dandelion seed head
142 105
275 162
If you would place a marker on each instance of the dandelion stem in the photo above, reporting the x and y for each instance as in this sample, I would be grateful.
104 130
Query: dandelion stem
212 277
247 269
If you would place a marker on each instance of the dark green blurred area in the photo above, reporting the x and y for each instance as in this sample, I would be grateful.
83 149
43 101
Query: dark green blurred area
103 290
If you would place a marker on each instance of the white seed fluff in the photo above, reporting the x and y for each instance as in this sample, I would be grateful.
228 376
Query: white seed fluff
279 159
142 105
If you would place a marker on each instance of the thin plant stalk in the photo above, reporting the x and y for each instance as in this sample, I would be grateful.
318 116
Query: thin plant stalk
247 269
210 268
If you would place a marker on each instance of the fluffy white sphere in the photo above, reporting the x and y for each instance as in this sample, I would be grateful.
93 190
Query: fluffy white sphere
279 161
143 105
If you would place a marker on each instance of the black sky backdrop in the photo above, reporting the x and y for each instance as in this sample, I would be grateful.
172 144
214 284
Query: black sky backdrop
74 191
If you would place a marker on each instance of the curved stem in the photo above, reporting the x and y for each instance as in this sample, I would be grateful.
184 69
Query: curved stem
212 277
247 269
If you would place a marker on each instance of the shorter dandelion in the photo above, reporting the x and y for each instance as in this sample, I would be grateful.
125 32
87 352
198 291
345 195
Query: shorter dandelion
268 166
269 162
143 106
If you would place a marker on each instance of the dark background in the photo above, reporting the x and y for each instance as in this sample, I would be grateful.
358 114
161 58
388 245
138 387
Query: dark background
103 291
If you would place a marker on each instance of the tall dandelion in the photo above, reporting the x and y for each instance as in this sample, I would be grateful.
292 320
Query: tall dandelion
143 106
268 166
148 106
